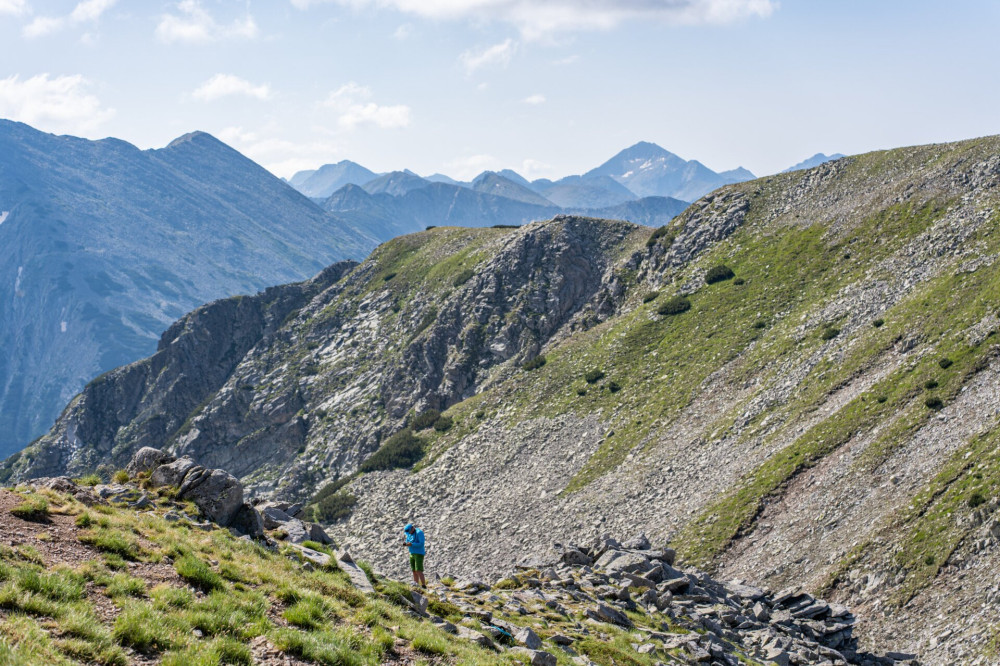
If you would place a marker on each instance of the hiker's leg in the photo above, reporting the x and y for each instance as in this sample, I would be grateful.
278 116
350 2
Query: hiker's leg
413 567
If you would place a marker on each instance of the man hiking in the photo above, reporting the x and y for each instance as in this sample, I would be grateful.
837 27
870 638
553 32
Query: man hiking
415 541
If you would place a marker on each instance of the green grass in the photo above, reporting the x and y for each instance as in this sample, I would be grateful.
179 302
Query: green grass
197 572
34 508
114 542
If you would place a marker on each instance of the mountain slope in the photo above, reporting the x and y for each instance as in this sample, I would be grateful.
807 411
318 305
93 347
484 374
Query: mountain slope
493 183
649 170
824 414
105 245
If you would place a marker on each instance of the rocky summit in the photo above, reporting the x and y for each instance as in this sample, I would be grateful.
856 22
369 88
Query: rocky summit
796 382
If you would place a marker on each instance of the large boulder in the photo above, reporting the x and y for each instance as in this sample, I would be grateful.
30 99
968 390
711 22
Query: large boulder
216 492
147 459
172 474
247 521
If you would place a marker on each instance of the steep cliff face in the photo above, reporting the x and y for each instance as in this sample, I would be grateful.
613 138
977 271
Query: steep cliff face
796 381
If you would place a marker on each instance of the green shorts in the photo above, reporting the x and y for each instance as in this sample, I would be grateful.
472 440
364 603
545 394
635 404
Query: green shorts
416 562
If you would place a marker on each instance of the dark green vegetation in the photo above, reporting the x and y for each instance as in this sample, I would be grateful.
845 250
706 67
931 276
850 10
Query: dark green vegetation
719 273
674 305
534 362
403 449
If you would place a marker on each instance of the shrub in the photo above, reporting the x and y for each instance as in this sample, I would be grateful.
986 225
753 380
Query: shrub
310 369
719 273
84 520
881 399
88 480
505 226
930 384
425 419
443 424
614 386
878 323
759 324
121 476
388 276
945 363
403 449
34 508
661 232
739 281
196 572
581 391
934 403
976 499
534 363
929 560
675 305
829 333
463 277
593 376
651 296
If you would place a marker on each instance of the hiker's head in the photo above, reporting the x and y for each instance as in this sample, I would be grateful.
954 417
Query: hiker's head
409 528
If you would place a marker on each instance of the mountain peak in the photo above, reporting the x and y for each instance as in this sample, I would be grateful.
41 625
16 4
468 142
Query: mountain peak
194 137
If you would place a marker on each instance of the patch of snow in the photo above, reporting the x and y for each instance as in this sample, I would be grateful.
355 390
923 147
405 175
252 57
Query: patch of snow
627 174
17 282
3 215
62 326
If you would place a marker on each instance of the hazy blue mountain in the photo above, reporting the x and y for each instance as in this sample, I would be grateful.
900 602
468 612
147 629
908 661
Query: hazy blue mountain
395 183
490 182
814 161
650 211
329 178
591 191
102 245
648 170
441 178
510 174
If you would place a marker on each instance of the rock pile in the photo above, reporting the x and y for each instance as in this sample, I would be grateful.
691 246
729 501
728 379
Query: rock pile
675 614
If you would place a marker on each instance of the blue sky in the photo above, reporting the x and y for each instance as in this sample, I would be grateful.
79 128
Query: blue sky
546 87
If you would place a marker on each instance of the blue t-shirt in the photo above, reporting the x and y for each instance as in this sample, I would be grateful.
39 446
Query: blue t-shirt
416 541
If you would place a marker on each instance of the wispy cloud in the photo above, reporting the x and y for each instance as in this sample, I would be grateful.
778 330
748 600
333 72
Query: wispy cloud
538 20
226 85
193 24
87 11
534 100
13 7
498 54
467 168
60 103
278 155
353 106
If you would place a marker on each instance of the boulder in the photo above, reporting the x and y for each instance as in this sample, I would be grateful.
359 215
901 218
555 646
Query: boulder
272 516
528 638
172 474
147 459
537 657
247 521
472 635
605 613
575 557
319 535
216 492
637 543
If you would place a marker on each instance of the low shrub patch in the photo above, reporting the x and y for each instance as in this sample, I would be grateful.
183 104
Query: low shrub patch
425 419
664 233
719 273
878 323
934 403
463 277
829 333
651 296
403 449
534 363
593 376
930 384
34 508
674 306
444 424
945 363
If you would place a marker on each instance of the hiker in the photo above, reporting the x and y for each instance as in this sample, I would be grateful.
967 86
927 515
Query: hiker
415 541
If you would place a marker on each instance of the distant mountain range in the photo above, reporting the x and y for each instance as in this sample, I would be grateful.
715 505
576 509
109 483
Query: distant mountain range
104 245
814 161
644 184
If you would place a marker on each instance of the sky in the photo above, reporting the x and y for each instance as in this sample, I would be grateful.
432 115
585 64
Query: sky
545 87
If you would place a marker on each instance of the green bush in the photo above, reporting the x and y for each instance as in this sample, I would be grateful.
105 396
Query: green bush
829 333
84 520
930 384
934 403
388 276
88 480
675 305
196 572
881 399
593 376
443 424
34 508
976 499
719 273
534 363
581 391
425 419
739 281
614 386
929 560
121 476
463 277
403 449
662 232
878 323
651 296
759 324
945 363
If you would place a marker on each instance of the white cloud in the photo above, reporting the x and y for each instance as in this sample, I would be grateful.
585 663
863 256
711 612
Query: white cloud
87 11
280 156
532 169
13 7
498 54
225 85
534 100
537 20
194 24
60 103
352 104
403 31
